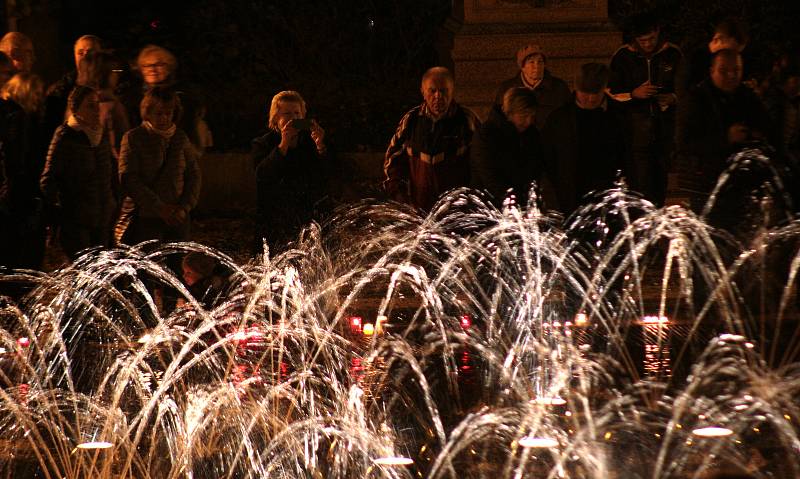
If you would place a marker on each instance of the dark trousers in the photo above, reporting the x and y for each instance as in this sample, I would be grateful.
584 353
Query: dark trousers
651 146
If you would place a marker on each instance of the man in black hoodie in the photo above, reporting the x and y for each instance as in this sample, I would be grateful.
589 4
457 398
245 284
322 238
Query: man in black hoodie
644 77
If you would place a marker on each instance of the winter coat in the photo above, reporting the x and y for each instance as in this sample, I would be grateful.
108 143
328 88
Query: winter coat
583 150
630 68
504 158
80 186
428 157
551 93
704 117
155 171
289 187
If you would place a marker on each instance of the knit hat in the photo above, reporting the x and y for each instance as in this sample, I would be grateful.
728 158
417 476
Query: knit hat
593 78
526 51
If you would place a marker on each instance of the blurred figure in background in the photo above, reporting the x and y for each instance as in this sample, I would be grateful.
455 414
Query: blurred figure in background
55 107
19 49
158 68
97 71
715 120
24 149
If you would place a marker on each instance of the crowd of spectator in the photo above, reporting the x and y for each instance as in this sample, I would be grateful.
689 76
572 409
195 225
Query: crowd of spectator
666 124
94 161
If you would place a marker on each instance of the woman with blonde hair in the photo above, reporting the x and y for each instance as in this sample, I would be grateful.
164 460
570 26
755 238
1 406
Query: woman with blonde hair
158 68
26 90
291 171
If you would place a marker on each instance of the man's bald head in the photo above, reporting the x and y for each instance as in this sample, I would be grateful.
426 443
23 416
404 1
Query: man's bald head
19 48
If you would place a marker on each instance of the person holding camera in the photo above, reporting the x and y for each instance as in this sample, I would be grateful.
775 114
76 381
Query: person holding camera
291 165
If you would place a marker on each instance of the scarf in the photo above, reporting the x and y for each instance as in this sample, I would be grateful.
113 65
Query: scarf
166 134
95 135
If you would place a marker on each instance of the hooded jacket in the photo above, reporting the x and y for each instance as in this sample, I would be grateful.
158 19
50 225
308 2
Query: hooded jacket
630 68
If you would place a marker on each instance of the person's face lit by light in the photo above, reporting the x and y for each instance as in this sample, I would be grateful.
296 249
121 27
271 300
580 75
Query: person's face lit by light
533 69
160 116
21 54
522 120
648 42
155 69
83 47
89 111
438 93
587 100
288 111
726 73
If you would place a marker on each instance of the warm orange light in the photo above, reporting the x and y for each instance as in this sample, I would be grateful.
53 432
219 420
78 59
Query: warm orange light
369 329
394 461
94 445
355 324
655 320
713 431
581 319
379 323
550 401
538 442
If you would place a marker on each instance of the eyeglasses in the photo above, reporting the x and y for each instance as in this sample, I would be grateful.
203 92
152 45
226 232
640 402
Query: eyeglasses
153 66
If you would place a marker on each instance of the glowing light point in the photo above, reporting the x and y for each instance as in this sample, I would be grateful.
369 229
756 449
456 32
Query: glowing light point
550 401
24 342
731 337
538 442
393 461
369 329
581 319
94 445
655 320
713 431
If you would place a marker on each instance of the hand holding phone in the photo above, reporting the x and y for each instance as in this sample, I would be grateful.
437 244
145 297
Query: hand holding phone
300 124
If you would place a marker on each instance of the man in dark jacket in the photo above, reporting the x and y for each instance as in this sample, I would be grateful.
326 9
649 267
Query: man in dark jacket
714 121
55 104
643 79
429 153
551 92
507 152
584 147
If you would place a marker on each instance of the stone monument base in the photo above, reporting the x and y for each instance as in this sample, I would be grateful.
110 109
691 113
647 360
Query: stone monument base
487 37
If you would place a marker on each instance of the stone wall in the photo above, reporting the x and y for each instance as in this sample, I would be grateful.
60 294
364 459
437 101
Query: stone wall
571 32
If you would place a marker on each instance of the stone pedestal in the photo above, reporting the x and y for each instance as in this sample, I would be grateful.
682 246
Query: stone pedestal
489 32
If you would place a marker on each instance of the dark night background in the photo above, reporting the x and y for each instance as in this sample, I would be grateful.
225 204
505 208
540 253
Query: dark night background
357 63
